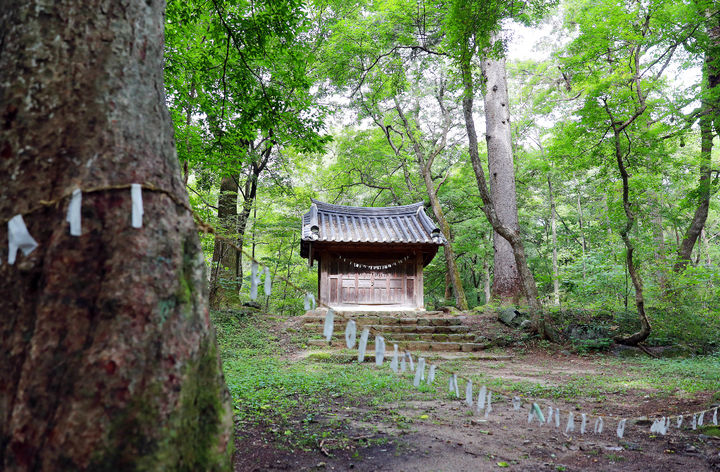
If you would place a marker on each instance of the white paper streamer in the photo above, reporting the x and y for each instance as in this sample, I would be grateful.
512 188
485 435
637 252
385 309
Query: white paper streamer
516 403
19 238
468 394
306 302
549 415
621 428
431 374
679 421
379 350
394 361
254 283
538 412
701 418
137 205
570 427
715 416
329 324
694 421
598 425
403 365
451 385
363 344
488 408
410 361
455 384
419 372
660 426
481 399
583 423
351 334
557 418
268 282
73 213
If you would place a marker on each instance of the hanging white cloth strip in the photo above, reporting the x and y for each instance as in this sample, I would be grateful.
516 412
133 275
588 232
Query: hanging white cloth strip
715 421
488 407
363 344
550 415
394 361
431 374
410 361
557 418
481 399
137 205
621 428
583 423
679 421
329 325
469 394
694 422
516 403
351 334
73 213
268 282
419 372
701 418
455 384
306 302
531 414
403 365
19 238
598 425
254 282
379 350
570 427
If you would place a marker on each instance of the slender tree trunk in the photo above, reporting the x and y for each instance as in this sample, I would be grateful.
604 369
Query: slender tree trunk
659 243
224 277
108 360
583 241
507 286
487 281
556 278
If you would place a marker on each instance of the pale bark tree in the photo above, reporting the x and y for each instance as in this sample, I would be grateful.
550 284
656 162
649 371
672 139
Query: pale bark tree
108 360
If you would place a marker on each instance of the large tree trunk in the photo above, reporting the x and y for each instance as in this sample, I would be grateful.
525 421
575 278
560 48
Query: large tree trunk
507 286
225 275
709 127
107 357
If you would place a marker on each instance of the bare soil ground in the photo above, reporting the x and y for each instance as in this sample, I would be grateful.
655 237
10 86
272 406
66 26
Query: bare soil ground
444 435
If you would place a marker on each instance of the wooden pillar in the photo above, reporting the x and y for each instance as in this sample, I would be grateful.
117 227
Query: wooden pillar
419 296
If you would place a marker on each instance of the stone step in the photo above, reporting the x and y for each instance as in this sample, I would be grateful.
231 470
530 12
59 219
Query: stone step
412 346
401 337
318 327
388 320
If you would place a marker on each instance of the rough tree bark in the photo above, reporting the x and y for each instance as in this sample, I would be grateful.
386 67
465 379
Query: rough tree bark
107 357
507 285
225 277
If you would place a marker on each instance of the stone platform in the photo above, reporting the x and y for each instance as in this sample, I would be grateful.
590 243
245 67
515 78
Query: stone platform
410 330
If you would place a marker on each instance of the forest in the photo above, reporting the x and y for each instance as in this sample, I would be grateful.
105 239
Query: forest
606 174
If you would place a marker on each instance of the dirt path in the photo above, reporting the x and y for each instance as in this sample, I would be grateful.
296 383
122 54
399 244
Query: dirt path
444 435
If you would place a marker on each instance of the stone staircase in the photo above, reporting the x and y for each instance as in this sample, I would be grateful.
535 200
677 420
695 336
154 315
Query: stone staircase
414 331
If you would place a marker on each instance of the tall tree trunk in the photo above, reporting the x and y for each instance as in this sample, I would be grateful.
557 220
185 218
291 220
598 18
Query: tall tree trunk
709 127
512 235
108 360
553 226
507 286
659 243
225 279
583 241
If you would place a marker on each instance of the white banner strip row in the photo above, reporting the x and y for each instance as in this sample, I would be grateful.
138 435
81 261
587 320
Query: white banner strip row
484 399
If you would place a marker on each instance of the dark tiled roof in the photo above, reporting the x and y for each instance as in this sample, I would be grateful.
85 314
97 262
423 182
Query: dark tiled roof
399 224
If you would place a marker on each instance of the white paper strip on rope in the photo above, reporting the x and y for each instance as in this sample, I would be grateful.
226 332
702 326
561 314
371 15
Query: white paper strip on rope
488 407
431 374
679 421
701 418
137 205
19 238
254 282
379 350
549 415
410 361
469 394
621 428
570 427
598 425
403 364
351 334
531 414
419 372
481 399
73 213
329 325
363 344
268 282
455 384
583 423
394 361
306 302
660 426
516 403
694 421
715 420
557 418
